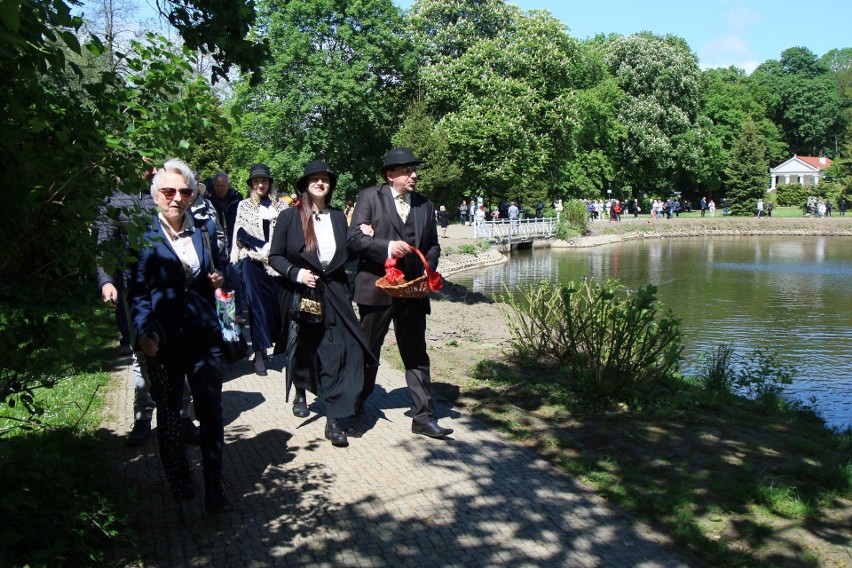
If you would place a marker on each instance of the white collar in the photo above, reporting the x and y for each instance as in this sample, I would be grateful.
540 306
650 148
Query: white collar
406 195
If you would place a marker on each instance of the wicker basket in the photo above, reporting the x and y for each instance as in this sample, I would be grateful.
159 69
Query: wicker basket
420 287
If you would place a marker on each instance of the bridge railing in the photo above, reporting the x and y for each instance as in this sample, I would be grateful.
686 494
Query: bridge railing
508 230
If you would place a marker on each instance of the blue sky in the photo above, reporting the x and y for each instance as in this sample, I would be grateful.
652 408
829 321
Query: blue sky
744 33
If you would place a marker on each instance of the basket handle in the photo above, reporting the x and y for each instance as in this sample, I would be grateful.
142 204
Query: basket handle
433 277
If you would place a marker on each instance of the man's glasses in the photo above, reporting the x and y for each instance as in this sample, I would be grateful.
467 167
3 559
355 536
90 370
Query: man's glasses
407 170
169 192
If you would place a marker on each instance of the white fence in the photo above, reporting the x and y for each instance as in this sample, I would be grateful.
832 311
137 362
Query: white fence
505 230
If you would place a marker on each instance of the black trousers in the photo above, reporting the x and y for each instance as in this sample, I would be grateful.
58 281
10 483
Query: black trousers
200 361
409 324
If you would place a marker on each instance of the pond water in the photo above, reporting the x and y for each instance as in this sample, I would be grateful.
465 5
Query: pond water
788 294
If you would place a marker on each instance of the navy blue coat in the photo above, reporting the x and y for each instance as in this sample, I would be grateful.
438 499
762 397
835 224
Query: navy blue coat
160 298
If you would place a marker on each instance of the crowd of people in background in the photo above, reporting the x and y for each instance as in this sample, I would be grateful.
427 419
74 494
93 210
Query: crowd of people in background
613 210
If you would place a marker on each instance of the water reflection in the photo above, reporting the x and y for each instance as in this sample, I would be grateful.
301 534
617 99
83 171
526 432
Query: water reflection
782 293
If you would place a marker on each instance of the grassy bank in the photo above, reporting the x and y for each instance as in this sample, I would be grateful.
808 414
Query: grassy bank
787 221
53 511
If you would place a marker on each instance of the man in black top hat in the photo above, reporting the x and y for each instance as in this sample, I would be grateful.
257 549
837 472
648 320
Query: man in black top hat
401 219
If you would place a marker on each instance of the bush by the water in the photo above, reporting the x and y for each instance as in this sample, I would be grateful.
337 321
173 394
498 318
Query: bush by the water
759 375
610 342
574 220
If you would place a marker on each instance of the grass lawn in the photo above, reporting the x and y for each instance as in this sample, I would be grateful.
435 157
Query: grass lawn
729 480
53 511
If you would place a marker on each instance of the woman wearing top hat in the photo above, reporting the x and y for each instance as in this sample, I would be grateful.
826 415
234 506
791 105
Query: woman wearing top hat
309 251
253 231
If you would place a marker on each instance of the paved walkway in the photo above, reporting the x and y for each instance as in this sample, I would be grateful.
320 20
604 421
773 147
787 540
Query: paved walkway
390 499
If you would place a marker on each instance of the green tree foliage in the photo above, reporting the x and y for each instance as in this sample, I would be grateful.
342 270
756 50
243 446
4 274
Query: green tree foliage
73 130
747 171
445 30
839 62
220 29
728 103
440 172
504 104
803 99
599 133
663 89
333 88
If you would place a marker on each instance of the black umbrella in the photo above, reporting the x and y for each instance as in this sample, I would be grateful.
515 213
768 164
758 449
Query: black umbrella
169 434
290 355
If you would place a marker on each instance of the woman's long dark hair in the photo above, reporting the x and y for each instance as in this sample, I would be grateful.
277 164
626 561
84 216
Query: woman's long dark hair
306 205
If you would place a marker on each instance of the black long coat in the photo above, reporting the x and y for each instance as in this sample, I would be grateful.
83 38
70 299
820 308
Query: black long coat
287 255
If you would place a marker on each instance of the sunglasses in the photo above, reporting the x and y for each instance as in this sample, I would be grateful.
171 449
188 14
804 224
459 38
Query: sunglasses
169 192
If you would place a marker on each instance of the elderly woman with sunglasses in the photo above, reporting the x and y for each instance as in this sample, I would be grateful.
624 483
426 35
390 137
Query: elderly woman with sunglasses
173 312
253 230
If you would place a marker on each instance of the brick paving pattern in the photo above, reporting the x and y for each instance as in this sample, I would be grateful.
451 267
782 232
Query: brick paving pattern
390 499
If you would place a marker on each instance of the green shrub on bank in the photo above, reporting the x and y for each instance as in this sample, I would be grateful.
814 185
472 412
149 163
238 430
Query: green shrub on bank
759 375
792 194
573 221
481 245
610 343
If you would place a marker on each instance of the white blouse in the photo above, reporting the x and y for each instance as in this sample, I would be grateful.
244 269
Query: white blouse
326 245
181 243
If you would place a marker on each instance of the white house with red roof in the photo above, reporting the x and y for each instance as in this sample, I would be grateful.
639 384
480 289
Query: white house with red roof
804 170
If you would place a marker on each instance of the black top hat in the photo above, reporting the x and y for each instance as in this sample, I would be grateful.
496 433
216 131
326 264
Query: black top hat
315 167
259 170
399 157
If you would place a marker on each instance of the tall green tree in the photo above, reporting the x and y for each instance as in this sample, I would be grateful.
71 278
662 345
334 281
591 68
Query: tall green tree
73 131
662 84
335 87
747 171
728 103
803 99
441 173
504 103
839 63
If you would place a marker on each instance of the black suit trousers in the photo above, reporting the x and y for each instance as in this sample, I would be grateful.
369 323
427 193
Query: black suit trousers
409 324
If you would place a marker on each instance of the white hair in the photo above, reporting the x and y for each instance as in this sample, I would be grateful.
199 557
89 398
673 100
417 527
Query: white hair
173 166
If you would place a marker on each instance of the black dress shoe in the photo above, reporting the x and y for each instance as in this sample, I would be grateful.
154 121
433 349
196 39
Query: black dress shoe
300 407
141 431
215 500
260 366
191 433
430 429
187 490
335 433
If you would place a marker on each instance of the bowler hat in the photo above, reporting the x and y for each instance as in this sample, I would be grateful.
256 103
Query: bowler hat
259 170
315 167
399 157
